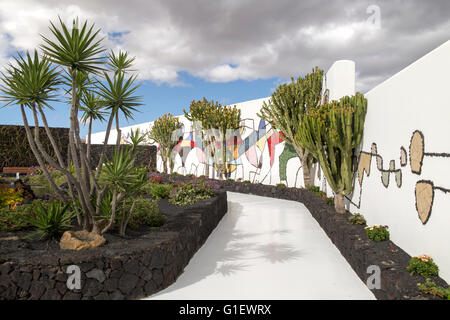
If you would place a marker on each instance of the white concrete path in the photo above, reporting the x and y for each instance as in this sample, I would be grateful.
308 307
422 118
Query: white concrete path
267 248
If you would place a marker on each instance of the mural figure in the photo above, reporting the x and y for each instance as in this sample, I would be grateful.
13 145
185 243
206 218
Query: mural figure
424 190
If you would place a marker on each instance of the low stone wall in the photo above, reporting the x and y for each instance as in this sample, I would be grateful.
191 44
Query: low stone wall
134 269
351 240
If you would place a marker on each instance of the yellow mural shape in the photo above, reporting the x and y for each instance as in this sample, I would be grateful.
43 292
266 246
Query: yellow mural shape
424 199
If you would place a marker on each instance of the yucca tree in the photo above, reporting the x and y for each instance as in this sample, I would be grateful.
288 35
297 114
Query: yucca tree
92 109
119 176
120 63
119 96
31 82
136 138
79 50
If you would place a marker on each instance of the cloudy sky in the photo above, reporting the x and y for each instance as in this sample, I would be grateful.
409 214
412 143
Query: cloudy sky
235 50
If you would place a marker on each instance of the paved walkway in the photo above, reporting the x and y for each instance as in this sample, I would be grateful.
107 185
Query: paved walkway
267 248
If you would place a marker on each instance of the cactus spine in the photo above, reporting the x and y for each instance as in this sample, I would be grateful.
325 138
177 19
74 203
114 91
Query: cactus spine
332 133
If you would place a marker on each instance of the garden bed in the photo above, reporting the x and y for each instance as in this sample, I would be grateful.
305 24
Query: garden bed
351 240
135 266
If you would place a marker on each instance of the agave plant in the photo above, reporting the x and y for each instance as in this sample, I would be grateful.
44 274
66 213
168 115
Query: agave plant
51 219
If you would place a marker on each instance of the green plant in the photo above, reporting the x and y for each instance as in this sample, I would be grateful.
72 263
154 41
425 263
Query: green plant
377 233
123 180
146 212
332 133
190 192
246 181
423 265
285 110
430 287
9 198
231 180
13 220
313 188
357 218
34 83
281 185
329 201
163 132
161 191
42 182
51 219
215 124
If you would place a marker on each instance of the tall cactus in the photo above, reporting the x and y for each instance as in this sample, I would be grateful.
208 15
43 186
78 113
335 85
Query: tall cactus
285 110
332 133
162 133
217 122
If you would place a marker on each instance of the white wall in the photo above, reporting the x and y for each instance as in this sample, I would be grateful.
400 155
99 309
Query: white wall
413 99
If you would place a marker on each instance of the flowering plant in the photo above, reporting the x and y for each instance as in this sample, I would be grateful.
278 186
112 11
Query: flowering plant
377 233
189 192
154 177
9 197
423 265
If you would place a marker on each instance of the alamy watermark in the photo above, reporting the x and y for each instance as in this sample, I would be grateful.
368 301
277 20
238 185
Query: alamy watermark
74 279
374 280
374 20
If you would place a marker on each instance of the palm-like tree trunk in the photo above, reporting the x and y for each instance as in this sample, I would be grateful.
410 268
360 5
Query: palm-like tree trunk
36 153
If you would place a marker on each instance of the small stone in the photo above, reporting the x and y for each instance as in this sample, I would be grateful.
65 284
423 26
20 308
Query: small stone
116 295
79 240
127 283
96 274
37 290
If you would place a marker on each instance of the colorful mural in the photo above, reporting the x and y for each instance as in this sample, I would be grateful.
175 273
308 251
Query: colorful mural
424 189
252 149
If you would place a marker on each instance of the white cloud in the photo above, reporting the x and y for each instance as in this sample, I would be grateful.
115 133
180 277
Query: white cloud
224 41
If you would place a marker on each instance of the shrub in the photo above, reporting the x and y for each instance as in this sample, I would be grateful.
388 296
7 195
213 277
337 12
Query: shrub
146 212
51 219
377 233
39 179
9 198
246 181
430 287
13 220
161 191
357 218
231 180
281 185
189 192
423 265
330 201
313 189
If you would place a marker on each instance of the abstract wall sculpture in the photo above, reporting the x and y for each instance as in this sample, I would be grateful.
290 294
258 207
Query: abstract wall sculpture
424 190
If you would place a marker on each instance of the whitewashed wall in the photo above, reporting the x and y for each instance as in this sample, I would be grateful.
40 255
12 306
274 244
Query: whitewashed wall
413 99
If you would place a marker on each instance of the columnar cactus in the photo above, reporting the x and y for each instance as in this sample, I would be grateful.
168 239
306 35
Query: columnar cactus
285 110
332 133
215 120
